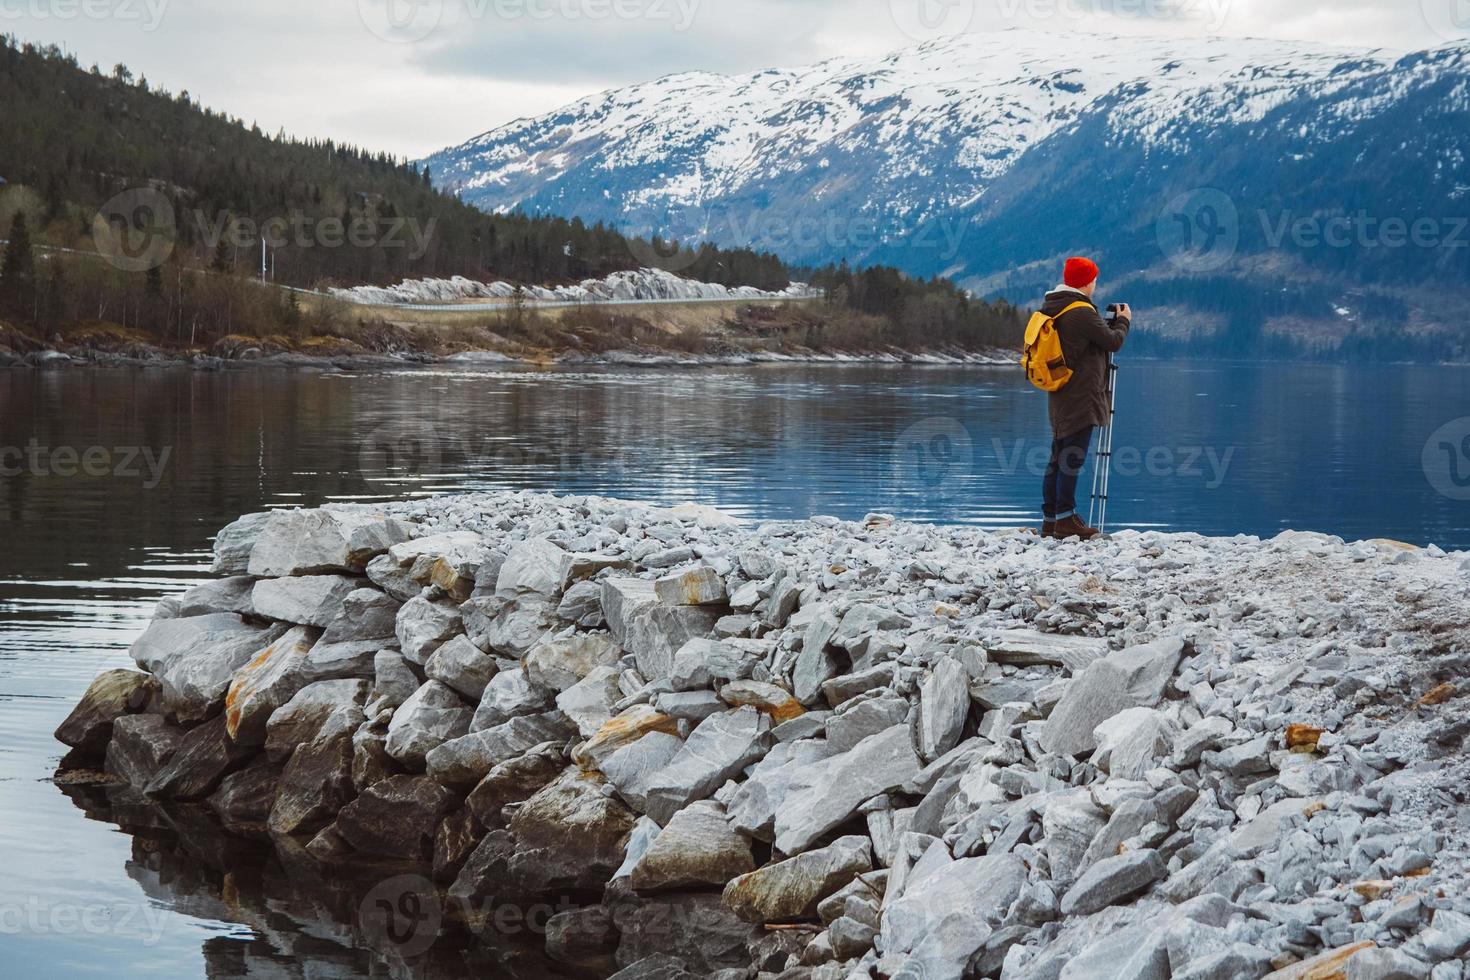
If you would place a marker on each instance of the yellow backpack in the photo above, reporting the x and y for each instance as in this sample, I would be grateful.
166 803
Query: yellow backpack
1045 366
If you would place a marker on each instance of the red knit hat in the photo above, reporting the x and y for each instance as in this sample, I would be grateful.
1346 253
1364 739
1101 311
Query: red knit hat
1080 273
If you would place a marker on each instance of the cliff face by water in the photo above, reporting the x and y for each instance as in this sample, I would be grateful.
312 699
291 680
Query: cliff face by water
828 749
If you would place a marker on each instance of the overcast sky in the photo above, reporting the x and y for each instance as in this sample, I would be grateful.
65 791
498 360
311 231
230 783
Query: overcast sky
412 76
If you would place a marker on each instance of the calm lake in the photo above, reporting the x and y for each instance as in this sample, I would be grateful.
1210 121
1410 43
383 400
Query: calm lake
114 481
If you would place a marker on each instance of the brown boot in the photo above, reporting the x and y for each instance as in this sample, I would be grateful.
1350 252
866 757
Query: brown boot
1073 527
1048 528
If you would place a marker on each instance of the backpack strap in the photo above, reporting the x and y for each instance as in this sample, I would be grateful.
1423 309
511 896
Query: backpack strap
1074 306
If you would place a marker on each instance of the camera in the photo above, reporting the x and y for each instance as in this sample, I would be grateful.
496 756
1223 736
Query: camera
1115 308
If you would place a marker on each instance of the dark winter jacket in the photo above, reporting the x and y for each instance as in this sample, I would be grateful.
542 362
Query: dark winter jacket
1087 340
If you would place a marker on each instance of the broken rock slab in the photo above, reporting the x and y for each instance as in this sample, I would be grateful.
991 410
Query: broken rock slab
720 747
792 889
1113 879
834 788
1026 648
697 848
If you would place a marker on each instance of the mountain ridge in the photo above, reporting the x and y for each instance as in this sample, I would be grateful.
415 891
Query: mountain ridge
939 158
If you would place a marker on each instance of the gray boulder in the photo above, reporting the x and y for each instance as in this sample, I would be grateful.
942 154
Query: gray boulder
531 568
266 683
365 614
720 747
697 848
308 600
313 709
433 715
792 889
833 789
945 916
195 659
1112 880
560 664
510 694
396 817
111 695
318 542
226 595
232 546
630 769
465 760
463 666
422 625
581 606
588 704
141 746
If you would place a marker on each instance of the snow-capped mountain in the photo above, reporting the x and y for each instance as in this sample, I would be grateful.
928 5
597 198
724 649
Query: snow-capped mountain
988 156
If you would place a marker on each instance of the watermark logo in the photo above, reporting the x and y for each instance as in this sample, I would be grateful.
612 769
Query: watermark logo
137 922
1447 459
401 21
925 20
143 464
1450 19
933 454
136 230
1199 231
148 14
1211 14
400 450
666 234
403 914
410 21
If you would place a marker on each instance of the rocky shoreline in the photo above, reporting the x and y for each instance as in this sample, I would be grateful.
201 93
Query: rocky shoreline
251 358
826 749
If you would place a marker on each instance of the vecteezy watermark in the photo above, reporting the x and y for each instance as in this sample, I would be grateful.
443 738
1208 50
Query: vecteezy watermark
1447 459
402 913
120 462
1363 230
38 917
148 14
1450 19
408 450
138 230
670 234
1207 464
1212 14
135 230
300 230
408 21
400 449
925 20
1199 230
1202 230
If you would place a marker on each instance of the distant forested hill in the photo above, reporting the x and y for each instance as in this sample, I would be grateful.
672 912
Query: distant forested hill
161 167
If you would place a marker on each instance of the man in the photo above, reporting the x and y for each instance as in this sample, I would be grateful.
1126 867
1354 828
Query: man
1081 405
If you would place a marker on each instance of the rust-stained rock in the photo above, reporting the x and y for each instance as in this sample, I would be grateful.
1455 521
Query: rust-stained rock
769 699
111 695
625 729
1302 738
1331 965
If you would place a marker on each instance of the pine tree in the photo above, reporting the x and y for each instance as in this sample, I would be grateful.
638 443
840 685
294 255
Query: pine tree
18 270
222 259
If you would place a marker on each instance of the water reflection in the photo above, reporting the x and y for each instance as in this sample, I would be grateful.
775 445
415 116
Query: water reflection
84 557
296 917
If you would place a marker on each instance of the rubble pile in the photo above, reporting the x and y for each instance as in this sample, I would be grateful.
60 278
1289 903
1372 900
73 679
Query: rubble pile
829 749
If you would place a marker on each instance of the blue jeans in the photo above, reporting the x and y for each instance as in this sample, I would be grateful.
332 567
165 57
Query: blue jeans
1059 487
